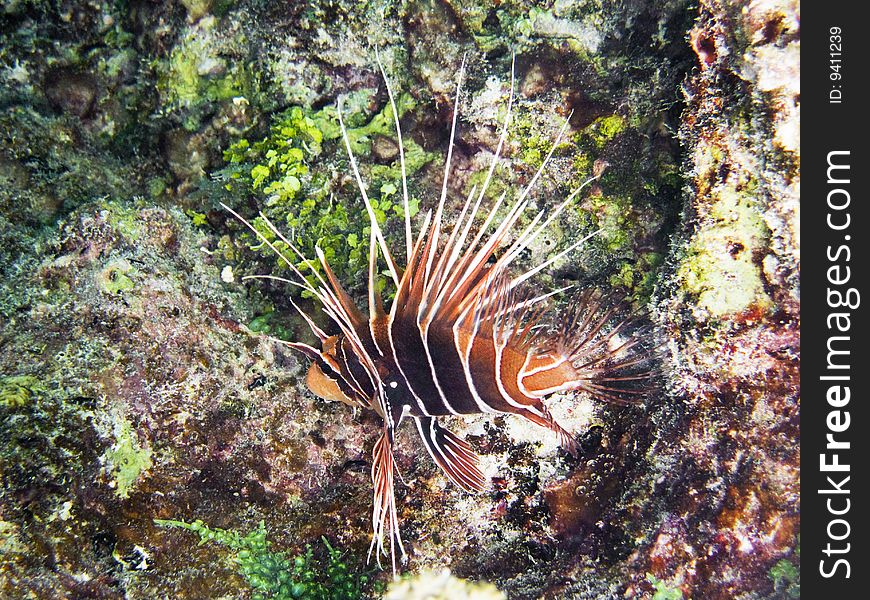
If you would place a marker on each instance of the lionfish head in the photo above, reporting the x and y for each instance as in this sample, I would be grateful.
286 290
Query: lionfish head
336 374
324 381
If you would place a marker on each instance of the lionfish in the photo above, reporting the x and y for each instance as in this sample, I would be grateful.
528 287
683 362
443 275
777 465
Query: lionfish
462 335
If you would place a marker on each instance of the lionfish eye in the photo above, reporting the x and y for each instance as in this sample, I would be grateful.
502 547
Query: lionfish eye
392 388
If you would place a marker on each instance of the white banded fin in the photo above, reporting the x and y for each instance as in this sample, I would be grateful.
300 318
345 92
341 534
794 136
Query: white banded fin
453 454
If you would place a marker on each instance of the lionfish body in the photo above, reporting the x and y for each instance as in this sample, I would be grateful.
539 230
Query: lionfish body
463 335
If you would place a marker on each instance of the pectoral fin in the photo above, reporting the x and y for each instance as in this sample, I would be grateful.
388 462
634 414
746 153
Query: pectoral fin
452 454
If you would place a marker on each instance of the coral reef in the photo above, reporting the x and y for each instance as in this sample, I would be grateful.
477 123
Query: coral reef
135 385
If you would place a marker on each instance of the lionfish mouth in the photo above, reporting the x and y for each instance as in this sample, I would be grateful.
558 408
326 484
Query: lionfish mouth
464 333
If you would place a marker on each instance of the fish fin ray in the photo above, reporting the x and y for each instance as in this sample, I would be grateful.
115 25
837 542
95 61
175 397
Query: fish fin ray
545 419
452 454
385 520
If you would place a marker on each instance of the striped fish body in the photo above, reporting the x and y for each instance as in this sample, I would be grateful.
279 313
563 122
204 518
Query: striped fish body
467 372
463 370
463 335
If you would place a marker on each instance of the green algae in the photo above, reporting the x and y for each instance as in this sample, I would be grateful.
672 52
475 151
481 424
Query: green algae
663 591
195 75
290 169
620 208
613 217
53 173
786 573
197 218
126 457
271 323
639 276
278 576
786 577
115 278
361 128
524 25
720 268
196 9
604 129
17 391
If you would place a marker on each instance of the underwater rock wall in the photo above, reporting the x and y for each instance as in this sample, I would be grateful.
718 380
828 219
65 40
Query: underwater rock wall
137 389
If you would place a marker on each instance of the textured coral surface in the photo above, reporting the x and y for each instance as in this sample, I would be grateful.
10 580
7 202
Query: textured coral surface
137 387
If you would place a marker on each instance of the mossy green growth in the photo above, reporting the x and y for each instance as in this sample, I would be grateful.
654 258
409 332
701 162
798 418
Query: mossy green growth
277 576
17 391
604 129
535 139
195 74
124 217
591 142
197 218
115 278
612 214
787 576
361 133
635 184
197 8
270 323
126 458
532 25
719 267
295 178
638 276
663 591
534 147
